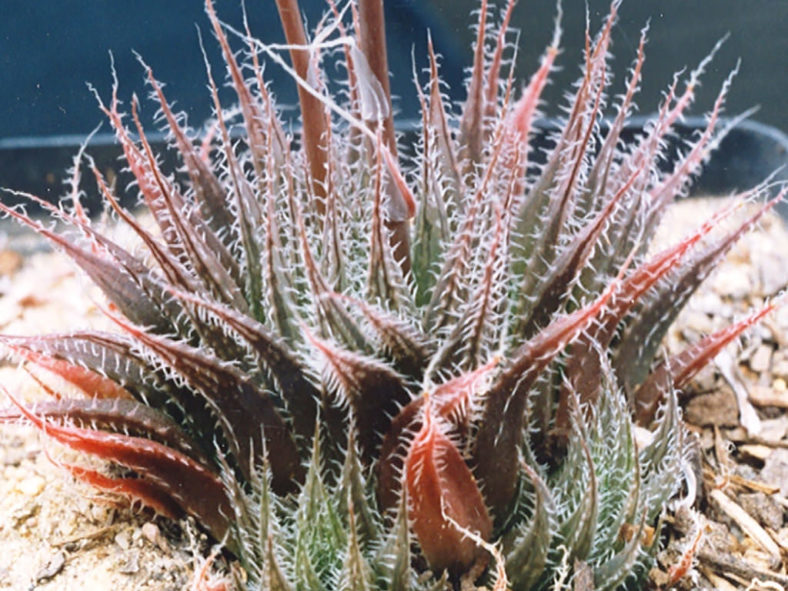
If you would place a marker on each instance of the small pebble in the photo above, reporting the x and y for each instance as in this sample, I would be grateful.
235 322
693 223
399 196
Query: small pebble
774 429
708 302
715 408
768 396
10 262
780 366
774 277
31 486
761 359
732 282
759 452
99 513
52 567
699 322
153 535
775 470
122 540
763 508
131 565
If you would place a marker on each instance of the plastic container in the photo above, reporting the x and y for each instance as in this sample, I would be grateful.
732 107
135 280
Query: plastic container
746 156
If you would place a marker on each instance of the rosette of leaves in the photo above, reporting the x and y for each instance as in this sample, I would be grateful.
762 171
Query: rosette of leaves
360 368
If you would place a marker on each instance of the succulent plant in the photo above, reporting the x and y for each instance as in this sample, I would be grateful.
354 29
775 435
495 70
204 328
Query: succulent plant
360 369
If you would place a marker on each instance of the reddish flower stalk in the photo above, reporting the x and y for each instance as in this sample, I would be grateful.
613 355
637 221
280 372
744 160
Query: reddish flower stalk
314 130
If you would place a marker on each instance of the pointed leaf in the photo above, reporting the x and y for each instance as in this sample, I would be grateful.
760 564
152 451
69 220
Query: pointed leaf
682 367
292 380
194 487
644 332
374 392
116 416
455 401
393 559
502 423
527 559
244 411
444 501
408 349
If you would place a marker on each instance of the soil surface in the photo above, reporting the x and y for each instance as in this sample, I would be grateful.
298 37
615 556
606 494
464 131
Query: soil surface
735 534
56 534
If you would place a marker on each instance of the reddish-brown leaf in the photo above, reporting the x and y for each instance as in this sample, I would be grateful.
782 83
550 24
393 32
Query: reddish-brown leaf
169 473
444 501
452 401
90 382
501 426
680 368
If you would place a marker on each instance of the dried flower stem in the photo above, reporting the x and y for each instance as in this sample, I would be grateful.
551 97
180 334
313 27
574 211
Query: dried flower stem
314 132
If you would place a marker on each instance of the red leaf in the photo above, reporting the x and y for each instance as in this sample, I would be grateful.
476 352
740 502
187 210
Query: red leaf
682 367
136 490
501 427
91 383
452 401
444 501
172 478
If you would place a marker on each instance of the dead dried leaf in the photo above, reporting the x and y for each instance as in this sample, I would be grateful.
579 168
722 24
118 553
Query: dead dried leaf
743 519
747 415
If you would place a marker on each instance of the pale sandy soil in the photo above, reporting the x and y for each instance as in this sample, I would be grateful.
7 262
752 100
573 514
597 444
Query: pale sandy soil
58 535
55 533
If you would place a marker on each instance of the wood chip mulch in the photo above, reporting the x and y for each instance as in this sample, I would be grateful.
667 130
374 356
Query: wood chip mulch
735 535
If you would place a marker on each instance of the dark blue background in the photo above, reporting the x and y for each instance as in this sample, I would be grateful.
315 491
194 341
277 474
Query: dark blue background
50 48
